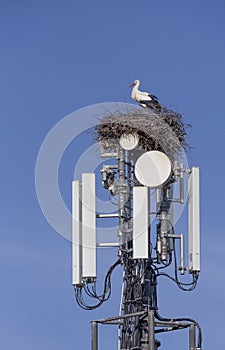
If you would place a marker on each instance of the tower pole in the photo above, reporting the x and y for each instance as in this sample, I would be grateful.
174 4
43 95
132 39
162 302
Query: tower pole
139 284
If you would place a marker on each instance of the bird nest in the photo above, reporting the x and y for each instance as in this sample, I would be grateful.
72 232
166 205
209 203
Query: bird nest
163 131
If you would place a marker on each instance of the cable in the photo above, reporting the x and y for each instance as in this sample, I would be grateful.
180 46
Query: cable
175 279
191 320
180 284
102 298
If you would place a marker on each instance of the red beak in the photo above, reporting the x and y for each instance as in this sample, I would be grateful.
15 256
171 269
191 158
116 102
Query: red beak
131 85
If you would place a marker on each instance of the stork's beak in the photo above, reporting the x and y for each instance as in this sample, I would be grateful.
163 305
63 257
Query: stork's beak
131 85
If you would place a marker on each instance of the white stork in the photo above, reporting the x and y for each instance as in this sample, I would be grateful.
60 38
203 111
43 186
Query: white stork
144 98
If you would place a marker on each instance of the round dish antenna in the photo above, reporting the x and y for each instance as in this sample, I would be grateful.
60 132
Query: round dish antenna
129 141
153 168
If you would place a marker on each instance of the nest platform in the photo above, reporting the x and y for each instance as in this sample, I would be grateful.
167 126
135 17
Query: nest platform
164 131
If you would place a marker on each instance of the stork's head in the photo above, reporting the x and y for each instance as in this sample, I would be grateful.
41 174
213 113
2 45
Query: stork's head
136 82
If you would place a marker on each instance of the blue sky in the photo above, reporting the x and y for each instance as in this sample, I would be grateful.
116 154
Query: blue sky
57 57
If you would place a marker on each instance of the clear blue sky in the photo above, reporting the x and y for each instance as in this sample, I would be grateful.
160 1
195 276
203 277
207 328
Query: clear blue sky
59 56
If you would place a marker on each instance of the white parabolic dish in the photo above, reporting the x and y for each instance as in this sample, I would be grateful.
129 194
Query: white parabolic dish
129 142
153 169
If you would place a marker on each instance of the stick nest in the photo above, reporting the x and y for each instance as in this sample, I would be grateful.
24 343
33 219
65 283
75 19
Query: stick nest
163 131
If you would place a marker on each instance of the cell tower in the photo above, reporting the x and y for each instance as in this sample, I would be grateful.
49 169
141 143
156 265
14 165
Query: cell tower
142 170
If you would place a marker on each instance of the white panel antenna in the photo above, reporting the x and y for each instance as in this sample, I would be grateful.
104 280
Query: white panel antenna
194 220
141 222
88 226
76 233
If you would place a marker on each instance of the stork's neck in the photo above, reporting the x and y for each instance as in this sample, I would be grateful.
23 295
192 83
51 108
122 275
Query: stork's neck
134 91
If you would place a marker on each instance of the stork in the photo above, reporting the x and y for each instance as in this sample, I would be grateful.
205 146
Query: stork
144 98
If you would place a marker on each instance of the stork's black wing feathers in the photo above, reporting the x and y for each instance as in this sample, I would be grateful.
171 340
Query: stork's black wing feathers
154 104
153 97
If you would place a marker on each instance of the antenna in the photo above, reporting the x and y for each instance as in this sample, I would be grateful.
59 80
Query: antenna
141 235
143 181
88 228
76 233
194 220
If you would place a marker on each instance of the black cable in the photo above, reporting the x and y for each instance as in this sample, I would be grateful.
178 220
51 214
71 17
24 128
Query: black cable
102 298
191 320
175 279
181 284
168 263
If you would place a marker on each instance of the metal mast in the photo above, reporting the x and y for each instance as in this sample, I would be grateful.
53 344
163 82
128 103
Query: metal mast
139 281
